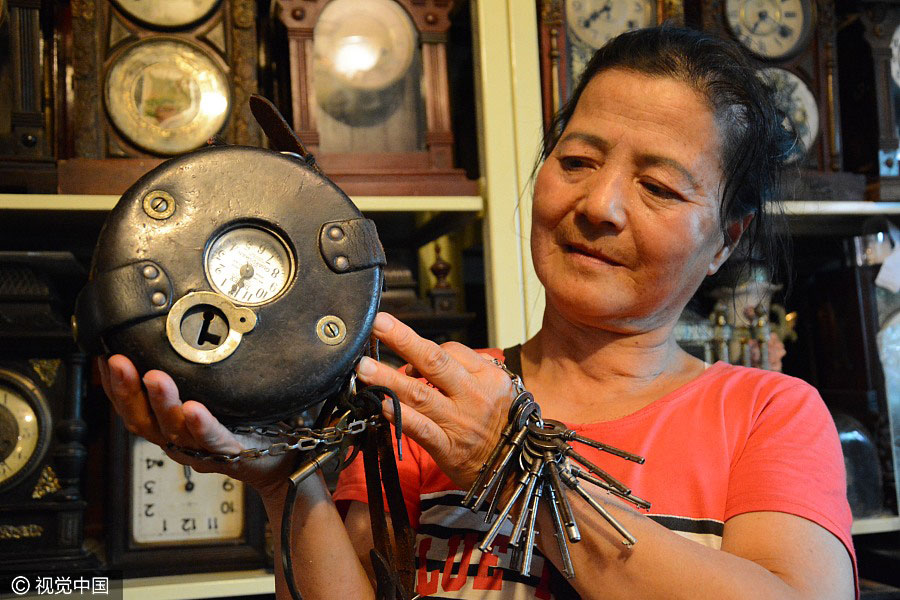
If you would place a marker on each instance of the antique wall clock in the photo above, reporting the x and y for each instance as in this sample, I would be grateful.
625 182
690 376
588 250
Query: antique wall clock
370 94
151 80
26 98
172 519
882 32
794 41
42 450
572 30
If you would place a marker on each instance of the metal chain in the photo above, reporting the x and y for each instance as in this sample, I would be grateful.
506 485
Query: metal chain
299 438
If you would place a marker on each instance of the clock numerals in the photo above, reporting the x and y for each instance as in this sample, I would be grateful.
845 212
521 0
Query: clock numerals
770 28
171 503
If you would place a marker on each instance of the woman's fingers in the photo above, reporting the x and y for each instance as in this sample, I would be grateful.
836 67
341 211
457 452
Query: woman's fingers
206 430
412 392
127 395
420 428
166 404
431 361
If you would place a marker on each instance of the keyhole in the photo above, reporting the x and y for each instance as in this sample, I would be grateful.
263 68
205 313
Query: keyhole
205 335
204 327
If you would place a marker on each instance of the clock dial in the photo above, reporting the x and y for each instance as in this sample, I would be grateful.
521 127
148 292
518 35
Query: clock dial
770 28
167 96
797 102
895 56
23 427
595 22
249 265
168 13
171 503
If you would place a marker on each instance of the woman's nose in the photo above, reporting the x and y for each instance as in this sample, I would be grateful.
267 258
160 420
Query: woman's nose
603 200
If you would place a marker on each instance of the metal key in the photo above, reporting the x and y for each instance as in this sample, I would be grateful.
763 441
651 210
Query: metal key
534 483
572 482
559 531
528 553
488 542
639 502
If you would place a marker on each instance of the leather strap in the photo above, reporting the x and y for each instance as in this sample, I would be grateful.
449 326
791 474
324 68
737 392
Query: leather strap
351 245
134 292
280 134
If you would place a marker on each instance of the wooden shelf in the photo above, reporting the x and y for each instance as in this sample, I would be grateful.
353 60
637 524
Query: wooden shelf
876 524
203 585
54 202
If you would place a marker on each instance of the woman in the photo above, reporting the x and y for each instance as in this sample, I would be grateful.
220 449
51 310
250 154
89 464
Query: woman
663 159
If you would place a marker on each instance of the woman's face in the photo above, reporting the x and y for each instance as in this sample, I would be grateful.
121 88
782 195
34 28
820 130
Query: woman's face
626 207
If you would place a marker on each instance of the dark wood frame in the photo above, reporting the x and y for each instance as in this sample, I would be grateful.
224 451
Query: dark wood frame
430 172
816 65
174 559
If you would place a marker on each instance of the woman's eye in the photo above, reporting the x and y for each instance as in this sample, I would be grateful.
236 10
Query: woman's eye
572 163
658 190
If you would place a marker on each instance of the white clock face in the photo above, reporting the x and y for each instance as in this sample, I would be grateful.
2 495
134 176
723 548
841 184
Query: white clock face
19 432
249 265
895 56
770 28
796 100
595 22
171 503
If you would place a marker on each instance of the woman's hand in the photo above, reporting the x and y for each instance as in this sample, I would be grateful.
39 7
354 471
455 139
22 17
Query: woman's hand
458 418
151 408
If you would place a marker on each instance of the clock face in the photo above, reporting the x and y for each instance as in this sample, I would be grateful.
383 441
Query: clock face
24 424
249 265
595 22
770 28
167 96
172 504
797 102
167 13
366 44
895 56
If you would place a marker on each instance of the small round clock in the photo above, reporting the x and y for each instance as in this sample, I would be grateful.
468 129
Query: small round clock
167 14
772 29
173 505
797 102
595 22
24 427
249 264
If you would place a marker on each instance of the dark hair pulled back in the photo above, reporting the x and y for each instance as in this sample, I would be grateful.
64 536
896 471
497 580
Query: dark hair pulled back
754 141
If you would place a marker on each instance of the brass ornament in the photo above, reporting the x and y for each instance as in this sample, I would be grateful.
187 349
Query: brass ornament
46 484
46 368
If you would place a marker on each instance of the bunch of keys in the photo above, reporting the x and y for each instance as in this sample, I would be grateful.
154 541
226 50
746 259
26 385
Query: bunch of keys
534 453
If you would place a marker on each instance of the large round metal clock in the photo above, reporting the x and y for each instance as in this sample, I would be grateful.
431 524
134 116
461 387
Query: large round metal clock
772 29
794 98
24 427
167 14
167 96
595 22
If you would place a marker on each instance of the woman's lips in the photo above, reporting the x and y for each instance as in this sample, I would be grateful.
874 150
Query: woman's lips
591 254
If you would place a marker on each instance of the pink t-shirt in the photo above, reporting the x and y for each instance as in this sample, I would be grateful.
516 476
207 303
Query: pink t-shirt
732 441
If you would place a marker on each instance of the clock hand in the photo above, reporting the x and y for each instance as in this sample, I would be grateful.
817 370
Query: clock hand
246 273
187 475
607 8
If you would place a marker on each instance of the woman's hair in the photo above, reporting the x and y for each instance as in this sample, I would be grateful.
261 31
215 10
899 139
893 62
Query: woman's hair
754 141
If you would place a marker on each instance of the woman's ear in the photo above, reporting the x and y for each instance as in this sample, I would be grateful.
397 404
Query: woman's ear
734 231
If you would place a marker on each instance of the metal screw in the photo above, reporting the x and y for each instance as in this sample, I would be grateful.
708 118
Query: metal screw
341 263
335 233
331 330
29 140
158 299
159 204
150 272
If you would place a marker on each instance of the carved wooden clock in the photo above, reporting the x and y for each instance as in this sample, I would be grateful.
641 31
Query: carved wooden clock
572 30
26 99
152 80
794 40
882 32
42 433
369 93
